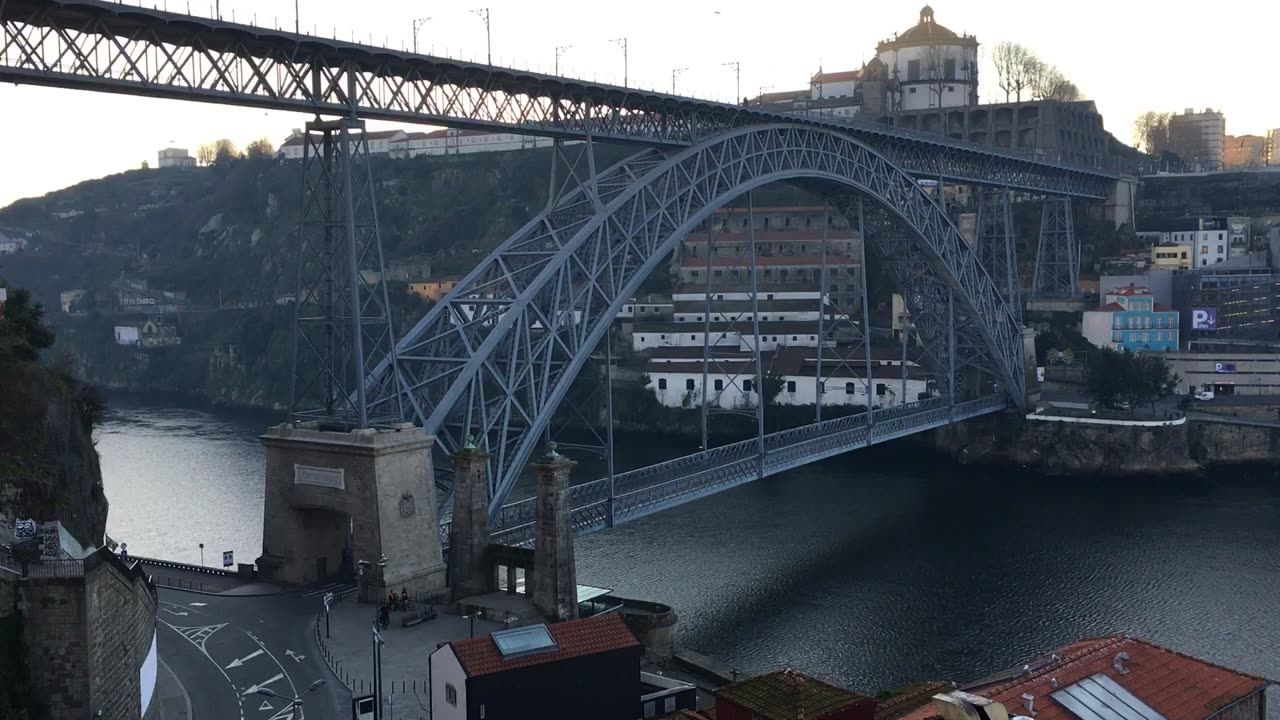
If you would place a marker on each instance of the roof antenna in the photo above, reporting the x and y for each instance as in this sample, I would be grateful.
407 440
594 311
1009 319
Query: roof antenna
1119 663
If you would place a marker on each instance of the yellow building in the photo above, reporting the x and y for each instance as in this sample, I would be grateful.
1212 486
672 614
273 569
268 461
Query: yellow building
434 289
1168 256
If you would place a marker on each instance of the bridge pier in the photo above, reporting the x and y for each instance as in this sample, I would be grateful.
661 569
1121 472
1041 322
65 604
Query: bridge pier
469 572
337 498
555 583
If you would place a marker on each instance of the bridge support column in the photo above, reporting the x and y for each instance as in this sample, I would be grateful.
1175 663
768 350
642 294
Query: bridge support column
1057 271
469 533
374 485
1029 366
555 579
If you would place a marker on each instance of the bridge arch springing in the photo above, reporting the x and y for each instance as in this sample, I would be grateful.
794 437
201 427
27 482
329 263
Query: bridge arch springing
497 355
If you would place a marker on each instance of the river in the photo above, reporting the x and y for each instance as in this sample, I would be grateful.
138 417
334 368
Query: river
870 570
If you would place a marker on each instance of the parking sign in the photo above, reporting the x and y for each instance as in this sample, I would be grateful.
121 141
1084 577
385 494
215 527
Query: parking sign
228 558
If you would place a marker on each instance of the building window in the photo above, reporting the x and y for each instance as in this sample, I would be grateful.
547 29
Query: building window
719 385
451 694
662 383
794 338
746 386
949 68
911 90
822 387
849 389
688 384
913 71
791 386
693 337
881 389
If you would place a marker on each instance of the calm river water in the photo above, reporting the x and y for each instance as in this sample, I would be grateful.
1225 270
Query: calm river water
867 570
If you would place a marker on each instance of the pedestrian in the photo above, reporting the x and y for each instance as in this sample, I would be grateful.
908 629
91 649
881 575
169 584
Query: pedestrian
404 598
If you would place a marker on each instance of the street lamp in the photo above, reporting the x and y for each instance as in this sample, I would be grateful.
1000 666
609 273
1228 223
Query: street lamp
378 642
737 73
483 14
560 50
294 702
623 43
675 73
201 554
417 23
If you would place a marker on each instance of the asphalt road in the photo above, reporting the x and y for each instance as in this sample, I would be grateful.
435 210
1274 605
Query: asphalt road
223 649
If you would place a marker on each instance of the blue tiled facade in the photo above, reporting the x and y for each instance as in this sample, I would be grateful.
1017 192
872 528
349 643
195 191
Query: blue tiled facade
1141 327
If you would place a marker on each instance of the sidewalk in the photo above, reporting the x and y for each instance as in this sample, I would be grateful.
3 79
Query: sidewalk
349 647
171 701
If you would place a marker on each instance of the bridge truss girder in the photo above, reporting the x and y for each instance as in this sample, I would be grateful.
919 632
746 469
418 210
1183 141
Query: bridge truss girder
496 356
1057 271
110 47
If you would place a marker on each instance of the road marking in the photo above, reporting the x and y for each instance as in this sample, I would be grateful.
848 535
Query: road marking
296 657
198 635
182 613
241 661
197 604
265 706
255 688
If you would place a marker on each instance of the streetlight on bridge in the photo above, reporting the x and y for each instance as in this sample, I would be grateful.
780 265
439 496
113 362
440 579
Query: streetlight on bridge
294 702
675 73
622 42
560 50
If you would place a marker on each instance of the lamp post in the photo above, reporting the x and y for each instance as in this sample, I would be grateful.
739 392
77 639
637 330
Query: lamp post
378 642
417 24
297 22
560 50
294 702
483 14
737 74
472 617
201 554
675 73
623 43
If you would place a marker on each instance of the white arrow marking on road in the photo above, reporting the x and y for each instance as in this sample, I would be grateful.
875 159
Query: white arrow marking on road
241 661
197 604
255 688
296 657
265 706
175 612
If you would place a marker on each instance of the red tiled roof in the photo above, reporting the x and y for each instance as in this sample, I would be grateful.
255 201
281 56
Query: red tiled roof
833 77
1177 686
1161 308
575 638
1111 307
785 694
1131 290
797 235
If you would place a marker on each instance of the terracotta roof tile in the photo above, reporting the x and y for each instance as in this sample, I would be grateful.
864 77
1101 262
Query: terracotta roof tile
787 694
910 699
1177 686
575 638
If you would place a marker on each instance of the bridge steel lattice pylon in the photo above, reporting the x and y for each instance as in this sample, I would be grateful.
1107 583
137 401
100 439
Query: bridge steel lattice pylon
1057 272
342 324
996 244
496 356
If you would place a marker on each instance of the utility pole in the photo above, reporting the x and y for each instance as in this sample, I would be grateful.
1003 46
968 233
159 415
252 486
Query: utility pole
297 22
737 73
675 73
483 13
623 43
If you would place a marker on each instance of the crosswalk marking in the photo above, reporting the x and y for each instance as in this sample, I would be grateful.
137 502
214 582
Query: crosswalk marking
335 588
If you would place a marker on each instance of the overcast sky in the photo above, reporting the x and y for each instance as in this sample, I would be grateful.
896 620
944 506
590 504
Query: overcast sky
1127 55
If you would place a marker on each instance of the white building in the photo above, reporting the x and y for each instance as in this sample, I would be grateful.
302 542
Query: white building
68 298
380 143
175 157
1210 238
647 307
128 334
463 142
10 245
930 65
741 334
676 380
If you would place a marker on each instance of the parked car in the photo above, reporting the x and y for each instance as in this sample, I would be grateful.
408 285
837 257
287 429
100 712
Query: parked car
1204 394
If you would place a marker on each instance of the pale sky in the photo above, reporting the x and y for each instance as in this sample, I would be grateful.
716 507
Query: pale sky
1127 56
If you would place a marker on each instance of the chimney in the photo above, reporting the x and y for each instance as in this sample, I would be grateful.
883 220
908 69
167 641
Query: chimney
1029 702
1119 663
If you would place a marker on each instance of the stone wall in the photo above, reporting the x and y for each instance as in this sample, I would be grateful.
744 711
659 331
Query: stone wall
87 632
1068 449
121 620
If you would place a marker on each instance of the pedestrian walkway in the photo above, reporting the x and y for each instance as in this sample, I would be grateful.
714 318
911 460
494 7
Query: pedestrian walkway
171 701
348 646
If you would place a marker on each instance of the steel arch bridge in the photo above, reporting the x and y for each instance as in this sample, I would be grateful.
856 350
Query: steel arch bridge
496 356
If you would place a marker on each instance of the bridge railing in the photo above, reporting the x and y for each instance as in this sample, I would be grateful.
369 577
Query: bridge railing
641 491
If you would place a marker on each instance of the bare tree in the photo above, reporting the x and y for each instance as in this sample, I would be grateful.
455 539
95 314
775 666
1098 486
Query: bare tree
1151 132
1048 83
1015 65
206 154
260 148
939 67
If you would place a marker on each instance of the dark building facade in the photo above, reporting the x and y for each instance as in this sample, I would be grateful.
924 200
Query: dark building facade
1233 304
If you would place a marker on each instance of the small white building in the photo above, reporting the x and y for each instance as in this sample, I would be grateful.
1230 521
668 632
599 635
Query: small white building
1210 238
128 334
68 299
678 381
10 244
647 336
175 157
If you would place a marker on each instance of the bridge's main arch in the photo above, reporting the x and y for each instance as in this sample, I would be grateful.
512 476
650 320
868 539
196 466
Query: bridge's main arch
495 357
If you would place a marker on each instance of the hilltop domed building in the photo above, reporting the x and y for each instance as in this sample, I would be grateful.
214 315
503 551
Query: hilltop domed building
930 66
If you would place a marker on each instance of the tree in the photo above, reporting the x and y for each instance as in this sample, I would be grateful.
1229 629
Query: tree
939 67
1015 65
1048 83
224 150
1122 378
146 165
1151 132
206 154
23 333
260 148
